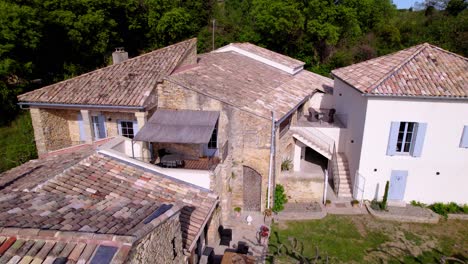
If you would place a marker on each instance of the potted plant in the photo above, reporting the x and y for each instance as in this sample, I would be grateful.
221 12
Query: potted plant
238 211
355 203
327 203
263 234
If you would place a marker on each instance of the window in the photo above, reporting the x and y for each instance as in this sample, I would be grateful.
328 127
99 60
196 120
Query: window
213 143
127 129
98 126
405 137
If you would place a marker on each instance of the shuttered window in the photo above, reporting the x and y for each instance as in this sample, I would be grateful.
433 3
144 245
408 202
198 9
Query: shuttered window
99 127
406 138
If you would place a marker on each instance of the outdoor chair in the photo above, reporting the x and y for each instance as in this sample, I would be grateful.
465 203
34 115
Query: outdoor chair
331 116
242 248
225 235
311 116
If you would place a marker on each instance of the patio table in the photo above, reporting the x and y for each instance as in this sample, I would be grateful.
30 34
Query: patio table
172 160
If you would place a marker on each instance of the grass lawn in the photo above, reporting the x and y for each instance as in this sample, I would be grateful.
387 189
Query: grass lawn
17 142
363 239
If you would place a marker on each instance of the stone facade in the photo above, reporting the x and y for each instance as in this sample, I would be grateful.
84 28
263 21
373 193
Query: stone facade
58 128
248 136
162 245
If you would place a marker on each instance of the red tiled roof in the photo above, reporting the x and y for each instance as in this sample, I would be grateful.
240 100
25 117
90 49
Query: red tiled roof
422 70
128 83
99 194
42 246
249 84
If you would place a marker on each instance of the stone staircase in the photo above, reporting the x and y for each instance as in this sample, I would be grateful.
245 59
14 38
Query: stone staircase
341 176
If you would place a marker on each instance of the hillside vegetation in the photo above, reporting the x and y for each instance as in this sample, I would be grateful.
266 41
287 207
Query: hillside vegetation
46 41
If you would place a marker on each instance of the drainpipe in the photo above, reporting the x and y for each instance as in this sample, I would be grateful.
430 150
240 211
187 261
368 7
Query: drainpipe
272 153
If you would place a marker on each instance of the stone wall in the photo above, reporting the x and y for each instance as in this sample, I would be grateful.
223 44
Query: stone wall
248 136
162 245
58 128
188 150
50 129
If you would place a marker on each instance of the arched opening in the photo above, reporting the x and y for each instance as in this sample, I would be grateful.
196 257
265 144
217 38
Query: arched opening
252 189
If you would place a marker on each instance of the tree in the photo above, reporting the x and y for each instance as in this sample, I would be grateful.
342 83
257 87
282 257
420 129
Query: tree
454 7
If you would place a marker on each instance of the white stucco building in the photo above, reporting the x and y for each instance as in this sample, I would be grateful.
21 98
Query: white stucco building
406 122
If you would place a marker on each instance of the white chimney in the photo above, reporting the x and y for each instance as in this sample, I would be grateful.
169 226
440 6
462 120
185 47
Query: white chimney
119 55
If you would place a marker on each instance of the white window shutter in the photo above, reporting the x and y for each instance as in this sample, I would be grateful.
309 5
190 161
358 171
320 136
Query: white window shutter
464 138
418 141
119 127
102 126
135 128
393 138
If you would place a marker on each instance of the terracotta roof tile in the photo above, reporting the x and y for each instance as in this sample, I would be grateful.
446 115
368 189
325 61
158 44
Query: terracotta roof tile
128 83
89 192
423 70
249 84
69 248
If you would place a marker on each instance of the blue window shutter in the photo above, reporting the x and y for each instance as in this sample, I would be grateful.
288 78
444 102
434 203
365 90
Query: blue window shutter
418 142
135 128
464 139
393 138
102 126
81 127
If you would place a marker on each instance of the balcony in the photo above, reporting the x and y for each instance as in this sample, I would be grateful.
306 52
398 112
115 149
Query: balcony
322 118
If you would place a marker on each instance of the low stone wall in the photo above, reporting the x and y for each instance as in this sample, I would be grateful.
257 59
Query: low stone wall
427 216
457 216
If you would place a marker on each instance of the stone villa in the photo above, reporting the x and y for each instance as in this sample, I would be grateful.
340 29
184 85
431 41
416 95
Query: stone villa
224 116
206 133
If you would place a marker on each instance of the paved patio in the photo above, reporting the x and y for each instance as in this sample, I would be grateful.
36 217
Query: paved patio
242 232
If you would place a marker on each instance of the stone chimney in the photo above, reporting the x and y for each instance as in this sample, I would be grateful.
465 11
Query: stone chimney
119 55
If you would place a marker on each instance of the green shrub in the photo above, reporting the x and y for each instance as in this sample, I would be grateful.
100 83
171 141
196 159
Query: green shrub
375 205
237 209
419 204
383 204
286 165
448 208
279 198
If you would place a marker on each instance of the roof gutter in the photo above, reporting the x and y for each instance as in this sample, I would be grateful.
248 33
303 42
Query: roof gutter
402 96
417 97
24 105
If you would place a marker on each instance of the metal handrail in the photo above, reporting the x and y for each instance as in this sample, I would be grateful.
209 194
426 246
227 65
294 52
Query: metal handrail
336 176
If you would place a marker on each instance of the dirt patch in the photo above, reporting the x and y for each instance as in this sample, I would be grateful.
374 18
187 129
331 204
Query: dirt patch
360 226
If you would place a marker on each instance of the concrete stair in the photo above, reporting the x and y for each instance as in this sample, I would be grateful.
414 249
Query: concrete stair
321 148
342 179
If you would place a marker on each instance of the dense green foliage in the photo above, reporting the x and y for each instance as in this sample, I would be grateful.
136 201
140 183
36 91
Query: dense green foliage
17 143
448 208
279 198
45 41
